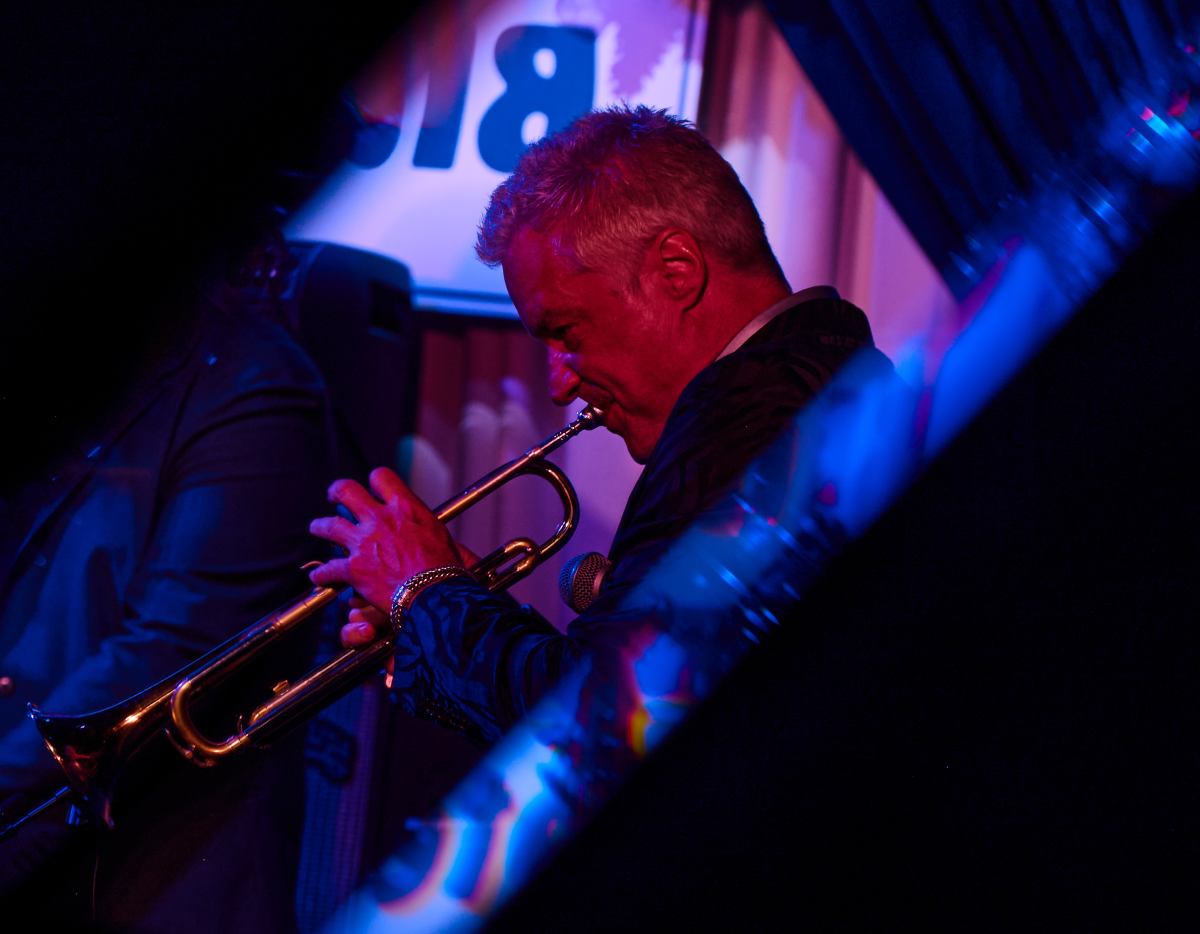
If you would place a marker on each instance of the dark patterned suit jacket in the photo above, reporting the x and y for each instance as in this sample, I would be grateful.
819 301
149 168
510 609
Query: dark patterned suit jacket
478 662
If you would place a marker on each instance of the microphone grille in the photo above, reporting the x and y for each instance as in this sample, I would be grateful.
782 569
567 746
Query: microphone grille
579 582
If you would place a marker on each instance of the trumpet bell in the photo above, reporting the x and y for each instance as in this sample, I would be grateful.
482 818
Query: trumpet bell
92 751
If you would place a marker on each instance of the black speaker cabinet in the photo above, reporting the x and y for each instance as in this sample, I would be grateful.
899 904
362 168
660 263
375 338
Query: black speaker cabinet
353 313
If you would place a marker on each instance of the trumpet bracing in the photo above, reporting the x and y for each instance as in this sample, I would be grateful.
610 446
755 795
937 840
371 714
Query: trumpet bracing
92 749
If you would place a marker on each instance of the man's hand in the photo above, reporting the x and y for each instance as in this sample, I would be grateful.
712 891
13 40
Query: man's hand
394 537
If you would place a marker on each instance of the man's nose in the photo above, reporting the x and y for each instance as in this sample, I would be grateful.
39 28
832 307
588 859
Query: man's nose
564 381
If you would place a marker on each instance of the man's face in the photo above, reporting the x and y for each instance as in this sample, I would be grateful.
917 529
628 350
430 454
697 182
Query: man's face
622 353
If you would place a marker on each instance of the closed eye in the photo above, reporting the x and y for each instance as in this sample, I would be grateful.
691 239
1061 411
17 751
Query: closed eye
566 336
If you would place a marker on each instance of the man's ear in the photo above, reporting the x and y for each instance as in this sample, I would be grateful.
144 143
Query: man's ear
681 267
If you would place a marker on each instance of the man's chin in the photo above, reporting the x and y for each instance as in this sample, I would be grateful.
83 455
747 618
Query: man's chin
635 450
638 448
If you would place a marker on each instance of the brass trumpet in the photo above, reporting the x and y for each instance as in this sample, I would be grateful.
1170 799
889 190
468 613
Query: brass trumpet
92 749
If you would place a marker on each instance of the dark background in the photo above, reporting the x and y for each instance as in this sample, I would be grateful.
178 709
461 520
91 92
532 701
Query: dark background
142 149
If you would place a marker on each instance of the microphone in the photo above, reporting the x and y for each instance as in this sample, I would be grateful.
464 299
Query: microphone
580 580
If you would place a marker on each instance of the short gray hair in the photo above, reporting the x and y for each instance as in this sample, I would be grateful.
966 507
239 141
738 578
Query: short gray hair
613 180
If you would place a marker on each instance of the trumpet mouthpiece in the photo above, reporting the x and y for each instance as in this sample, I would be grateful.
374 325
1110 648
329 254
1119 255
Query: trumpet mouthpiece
591 416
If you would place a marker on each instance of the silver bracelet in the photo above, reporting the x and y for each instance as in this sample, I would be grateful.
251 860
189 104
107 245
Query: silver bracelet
407 592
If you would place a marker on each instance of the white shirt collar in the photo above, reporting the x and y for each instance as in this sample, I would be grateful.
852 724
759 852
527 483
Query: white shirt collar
796 298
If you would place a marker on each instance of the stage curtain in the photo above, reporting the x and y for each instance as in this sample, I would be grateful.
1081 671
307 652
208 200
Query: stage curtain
826 217
957 109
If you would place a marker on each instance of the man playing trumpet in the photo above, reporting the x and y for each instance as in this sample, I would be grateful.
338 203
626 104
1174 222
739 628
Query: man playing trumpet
633 252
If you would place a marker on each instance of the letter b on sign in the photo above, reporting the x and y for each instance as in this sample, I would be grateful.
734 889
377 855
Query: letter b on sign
548 70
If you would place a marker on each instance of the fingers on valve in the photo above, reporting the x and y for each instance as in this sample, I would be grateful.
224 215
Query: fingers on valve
335 571
351 494
388 486
335 529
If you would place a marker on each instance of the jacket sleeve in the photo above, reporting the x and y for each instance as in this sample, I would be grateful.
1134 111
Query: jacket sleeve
478 662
